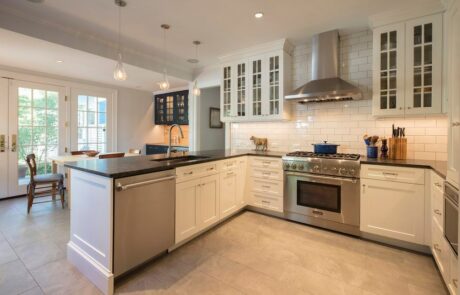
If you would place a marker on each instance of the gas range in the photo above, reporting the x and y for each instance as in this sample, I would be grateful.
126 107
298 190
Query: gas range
342 165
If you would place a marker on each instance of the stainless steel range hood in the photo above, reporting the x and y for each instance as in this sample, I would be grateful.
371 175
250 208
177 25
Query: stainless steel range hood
325 84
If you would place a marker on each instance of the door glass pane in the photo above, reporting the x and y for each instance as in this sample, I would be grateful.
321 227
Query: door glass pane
82 103
38 130
92 123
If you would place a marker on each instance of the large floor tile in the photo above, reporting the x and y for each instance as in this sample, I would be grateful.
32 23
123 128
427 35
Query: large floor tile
15 279
6 252
39 253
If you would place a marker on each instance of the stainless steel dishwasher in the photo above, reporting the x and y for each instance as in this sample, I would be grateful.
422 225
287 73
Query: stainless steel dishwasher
144 208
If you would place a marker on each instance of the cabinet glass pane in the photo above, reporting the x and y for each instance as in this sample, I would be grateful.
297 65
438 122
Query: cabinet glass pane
417 35
427 54
393 41
241 90
417 56
392 60
227 92
392 80
428 33
384 41
427 100
383 61
274 85
417 98
418 77
427 76
383 100
392 99
256 87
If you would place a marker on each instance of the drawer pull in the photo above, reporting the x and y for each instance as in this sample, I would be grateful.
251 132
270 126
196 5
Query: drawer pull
266 186
210 169
436 247
188 173
437 211
390 174
454 282
229 173
265 202
266 173
438 184
317 212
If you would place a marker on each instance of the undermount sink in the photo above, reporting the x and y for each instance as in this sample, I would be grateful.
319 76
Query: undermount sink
180 159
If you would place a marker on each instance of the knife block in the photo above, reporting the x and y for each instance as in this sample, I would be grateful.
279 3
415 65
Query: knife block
398 148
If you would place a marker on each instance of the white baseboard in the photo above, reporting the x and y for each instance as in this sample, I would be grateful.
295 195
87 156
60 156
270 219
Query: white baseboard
97 274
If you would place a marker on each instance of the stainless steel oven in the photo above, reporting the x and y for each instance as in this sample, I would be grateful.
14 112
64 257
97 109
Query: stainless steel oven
322 200
451 215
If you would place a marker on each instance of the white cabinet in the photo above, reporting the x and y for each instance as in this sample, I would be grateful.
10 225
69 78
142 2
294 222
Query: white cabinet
241 183
265 186
407 62
453 91
254 82
197 200
393 209
452 284
228 192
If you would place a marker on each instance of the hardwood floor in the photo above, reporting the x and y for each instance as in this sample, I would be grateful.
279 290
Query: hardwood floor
249 254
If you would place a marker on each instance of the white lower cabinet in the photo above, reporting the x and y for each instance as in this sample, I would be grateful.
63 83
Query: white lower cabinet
228 192
197 205
241 182
393 209
452 285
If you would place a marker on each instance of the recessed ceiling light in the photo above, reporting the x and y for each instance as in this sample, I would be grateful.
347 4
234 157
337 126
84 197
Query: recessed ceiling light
258 14
59 61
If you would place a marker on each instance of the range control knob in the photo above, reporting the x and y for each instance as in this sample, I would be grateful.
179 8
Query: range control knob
286 166
294 166
316 168
343 171
352 171
300 167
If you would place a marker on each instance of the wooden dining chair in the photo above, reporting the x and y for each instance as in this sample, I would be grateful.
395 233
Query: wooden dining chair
111 155
42 185
134 151
83 152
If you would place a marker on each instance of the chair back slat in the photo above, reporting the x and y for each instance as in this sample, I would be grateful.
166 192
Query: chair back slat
134 151
111 155
82 152
30 160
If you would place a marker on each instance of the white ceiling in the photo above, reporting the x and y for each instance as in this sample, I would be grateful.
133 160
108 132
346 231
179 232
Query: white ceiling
37 55
222 26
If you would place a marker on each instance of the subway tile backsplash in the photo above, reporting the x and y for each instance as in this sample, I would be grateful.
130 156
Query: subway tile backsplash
344 123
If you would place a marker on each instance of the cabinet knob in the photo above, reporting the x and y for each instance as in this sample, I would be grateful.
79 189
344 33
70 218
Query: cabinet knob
455 124
409 108
436 247
437 211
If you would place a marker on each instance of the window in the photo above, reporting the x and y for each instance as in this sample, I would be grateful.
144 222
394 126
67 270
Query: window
38 130
92 123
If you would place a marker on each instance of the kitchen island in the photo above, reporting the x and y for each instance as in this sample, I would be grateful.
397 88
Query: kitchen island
123 204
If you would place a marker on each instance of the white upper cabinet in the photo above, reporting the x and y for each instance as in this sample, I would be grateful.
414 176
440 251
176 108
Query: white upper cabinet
453 91
408 67
254 82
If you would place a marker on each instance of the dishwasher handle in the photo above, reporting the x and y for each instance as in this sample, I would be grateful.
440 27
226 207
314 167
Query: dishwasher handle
120 187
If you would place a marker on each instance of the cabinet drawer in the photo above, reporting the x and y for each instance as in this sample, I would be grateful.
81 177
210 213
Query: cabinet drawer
193 171
441 251
267 186
437 183
453 282
437 208
267 174
393 173
267 163
267 202
229 164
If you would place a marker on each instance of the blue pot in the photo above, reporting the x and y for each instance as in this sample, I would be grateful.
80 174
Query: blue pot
372 151
325 148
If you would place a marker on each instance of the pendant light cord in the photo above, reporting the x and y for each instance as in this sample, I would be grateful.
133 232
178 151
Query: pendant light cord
119 31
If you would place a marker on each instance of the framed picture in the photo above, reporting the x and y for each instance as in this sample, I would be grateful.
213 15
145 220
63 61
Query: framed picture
214 118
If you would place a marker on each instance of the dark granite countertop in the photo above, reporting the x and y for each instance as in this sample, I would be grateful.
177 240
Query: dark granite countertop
129 166
440 167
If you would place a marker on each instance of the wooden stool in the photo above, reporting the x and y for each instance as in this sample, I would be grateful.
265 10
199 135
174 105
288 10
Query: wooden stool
42 185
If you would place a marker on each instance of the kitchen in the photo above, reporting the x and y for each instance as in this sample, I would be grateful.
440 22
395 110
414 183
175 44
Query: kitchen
317 165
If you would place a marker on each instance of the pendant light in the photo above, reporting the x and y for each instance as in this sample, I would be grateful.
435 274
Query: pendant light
164 85
119 73
196 90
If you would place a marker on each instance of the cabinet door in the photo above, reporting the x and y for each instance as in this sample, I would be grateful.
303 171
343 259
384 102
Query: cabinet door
394 210
187 213
241 90
228 191
255 91
226 93
169 108
388 73
453 92
424 65
241 183
181 107
209 201
274 71
160 109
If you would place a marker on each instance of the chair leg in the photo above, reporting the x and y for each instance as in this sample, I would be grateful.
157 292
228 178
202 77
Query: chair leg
61 190
30 197
53 191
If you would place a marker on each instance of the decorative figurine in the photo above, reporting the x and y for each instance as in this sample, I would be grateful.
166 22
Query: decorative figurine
261 143
384 149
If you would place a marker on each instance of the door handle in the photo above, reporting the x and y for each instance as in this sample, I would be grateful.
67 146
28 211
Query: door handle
13 143
121 187
2 143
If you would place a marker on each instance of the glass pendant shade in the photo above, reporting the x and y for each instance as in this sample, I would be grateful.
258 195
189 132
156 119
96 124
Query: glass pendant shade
196 90
119 73
164 85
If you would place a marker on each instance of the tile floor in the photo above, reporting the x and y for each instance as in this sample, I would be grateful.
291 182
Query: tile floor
250 254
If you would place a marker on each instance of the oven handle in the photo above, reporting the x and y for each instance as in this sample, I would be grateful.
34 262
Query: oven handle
353 180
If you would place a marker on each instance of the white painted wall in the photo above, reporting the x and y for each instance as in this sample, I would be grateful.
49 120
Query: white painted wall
344 123
210 138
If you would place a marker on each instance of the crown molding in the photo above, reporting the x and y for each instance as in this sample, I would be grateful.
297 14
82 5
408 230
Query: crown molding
281 44
16 21
396 16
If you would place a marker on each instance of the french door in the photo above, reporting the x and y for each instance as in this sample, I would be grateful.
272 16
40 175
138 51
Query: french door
34 123
91 120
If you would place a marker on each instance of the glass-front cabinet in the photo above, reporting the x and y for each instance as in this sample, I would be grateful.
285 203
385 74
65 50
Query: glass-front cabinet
171 108
424 65
253 87
407 69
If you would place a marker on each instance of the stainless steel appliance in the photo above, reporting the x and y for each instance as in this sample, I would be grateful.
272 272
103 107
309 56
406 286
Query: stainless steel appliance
323 190
144 207
451 216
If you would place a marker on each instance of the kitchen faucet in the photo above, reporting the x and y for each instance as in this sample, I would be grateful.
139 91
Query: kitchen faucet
168 153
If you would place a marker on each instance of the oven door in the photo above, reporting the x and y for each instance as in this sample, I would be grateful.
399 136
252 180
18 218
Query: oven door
451 220
326 197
